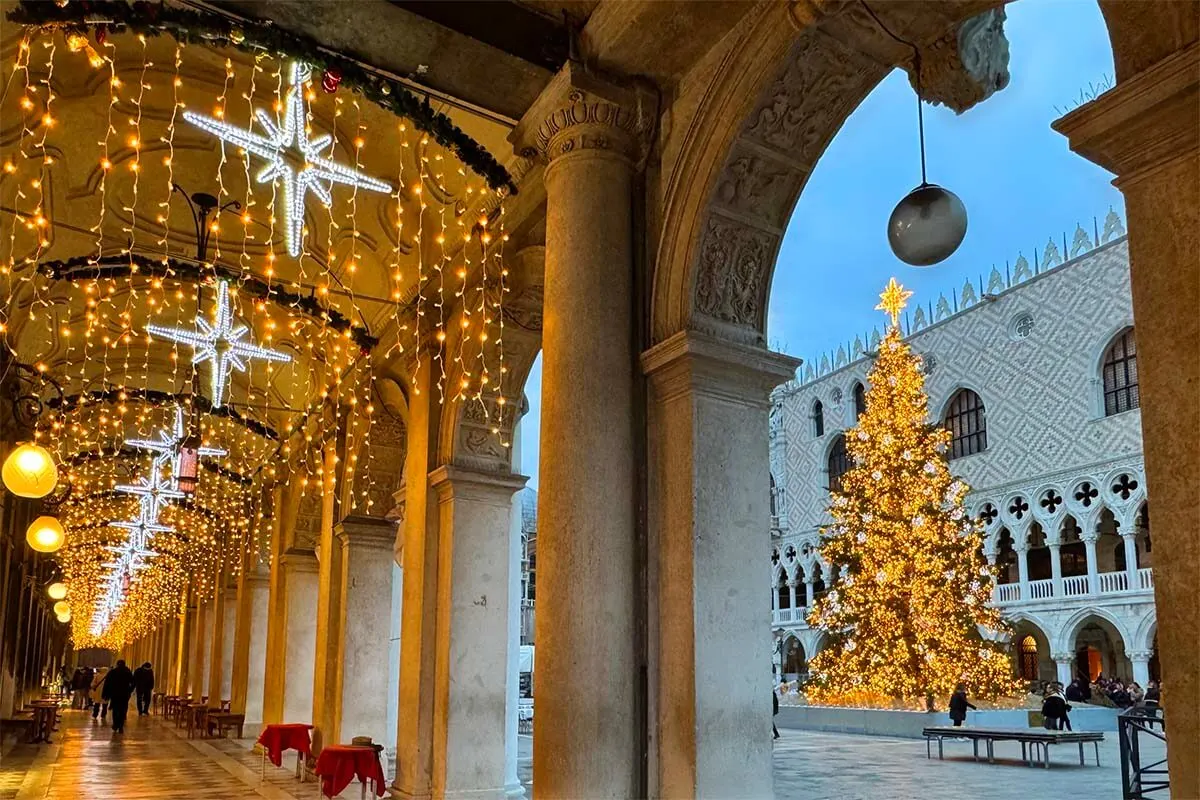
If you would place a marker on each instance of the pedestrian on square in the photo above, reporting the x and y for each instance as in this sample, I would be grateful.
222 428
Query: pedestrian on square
99 698
1054 710
118 685
774 712
143 683
1152 694
1075 692
959 705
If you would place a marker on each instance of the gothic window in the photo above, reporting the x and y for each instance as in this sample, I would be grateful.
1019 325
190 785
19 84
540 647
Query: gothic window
860 400
1029 659
818 418
785 592
966 420
1120 375
838 464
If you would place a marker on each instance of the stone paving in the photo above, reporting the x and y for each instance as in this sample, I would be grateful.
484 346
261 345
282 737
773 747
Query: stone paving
154 760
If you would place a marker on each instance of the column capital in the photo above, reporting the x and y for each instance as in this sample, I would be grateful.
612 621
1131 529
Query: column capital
580 111
693 361
366 533
1144 122
451 482
1139 655
1063 658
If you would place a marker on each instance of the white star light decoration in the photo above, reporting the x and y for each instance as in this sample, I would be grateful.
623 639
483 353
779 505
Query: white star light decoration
222 343
168 446
154 491
287 144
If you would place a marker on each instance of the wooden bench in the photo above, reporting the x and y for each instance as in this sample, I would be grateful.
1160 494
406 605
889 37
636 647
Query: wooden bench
1033 741
220 721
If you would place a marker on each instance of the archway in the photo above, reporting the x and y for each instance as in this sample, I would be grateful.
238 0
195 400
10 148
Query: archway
1032 660
1099 649
795 661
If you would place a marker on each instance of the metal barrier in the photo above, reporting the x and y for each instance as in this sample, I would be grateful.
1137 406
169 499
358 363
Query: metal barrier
1142 780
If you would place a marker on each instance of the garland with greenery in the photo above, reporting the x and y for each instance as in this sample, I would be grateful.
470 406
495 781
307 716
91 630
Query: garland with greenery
88 268
253 36
156 397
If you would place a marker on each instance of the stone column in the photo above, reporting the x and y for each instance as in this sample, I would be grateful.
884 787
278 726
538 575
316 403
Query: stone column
709 523
587 743
472 641
300 635
1093 572
512 675
792 597
1063 662
1140 659
808 593
1144 131
195 685
1131 562
327 667
258 587
284 507
366 599
216 645
179 657
1056 568
228 631
1022 548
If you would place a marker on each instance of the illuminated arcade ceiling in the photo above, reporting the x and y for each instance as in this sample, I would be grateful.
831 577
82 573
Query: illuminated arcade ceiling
96 247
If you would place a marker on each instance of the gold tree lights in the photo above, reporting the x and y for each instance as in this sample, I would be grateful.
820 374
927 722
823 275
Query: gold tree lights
908 612
98 252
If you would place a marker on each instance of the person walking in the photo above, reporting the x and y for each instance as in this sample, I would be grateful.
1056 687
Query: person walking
959 705
118 685
97 693
143 683
774 712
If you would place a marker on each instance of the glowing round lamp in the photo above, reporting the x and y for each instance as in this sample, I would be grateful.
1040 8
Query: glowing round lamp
64 617
57 591
61 608
45 535
29 471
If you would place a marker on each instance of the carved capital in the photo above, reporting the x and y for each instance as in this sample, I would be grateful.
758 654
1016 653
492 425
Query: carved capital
967 65
579 111
1063 658
1139 655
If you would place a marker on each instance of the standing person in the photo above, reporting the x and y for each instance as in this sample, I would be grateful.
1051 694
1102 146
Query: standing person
959 705
774 712
1054 710
1075 692
1152 694
85 688
77 684
99 698
143 683
117 688
64 679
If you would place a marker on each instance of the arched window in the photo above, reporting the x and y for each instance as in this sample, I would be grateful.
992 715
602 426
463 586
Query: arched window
1029 659
785 592
839 462
860 400
818 418
967 422
1120 375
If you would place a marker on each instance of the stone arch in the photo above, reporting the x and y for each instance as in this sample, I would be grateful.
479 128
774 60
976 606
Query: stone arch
1070 628
783 83
1145 632
1025 624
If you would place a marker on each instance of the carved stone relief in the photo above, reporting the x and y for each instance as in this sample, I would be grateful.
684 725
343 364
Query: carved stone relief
734 261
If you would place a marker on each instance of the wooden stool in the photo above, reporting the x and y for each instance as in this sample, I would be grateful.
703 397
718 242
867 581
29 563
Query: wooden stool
197 714
222 720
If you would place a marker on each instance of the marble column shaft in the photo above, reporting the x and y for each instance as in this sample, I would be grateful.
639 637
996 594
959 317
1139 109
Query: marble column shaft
216 644
587 743
709 523
1144 130
327 667
300 636
196 654
284 505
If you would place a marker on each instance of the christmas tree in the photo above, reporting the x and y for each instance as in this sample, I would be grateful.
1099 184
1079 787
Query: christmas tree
904 616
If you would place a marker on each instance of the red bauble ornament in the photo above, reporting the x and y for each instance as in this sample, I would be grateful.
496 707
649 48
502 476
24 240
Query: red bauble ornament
330 79
101 34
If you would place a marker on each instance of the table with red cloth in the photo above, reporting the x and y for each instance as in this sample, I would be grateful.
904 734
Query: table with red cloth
338 763
280 736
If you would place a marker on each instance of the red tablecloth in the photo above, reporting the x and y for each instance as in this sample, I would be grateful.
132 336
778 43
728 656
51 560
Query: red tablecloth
278 737
338 763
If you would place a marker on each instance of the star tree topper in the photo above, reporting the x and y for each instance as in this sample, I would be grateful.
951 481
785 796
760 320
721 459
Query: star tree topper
893 299
291 157
222 342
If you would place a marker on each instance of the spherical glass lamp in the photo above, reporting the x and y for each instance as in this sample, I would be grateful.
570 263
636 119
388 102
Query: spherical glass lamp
45 535
29 471
57 590
64 617
61 608
927 226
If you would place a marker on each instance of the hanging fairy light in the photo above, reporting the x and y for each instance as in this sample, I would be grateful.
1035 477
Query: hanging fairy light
57 591
29 471
930 222
62 607
45 535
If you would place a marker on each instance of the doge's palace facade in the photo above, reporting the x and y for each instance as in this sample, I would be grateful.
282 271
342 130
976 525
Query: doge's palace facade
1035 370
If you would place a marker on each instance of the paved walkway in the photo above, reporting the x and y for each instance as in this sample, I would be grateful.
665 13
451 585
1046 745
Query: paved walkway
155 760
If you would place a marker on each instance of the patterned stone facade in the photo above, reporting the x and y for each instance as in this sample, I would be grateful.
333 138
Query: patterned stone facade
1056 474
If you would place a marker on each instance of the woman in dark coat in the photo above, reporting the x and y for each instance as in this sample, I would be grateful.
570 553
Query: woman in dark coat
959 705
118 685
774 712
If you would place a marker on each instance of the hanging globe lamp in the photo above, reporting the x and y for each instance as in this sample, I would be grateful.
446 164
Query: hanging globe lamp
29 471
45 535
61 608
57 590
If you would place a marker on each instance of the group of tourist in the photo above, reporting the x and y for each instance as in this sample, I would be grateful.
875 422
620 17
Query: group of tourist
105 690
1114 691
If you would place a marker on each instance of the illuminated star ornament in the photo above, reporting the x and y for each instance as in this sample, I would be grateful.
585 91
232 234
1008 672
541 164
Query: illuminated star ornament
154 491
291 157
893 299
168 447
222 343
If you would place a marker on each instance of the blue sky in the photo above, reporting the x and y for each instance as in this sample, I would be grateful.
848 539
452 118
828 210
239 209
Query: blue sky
1019 181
